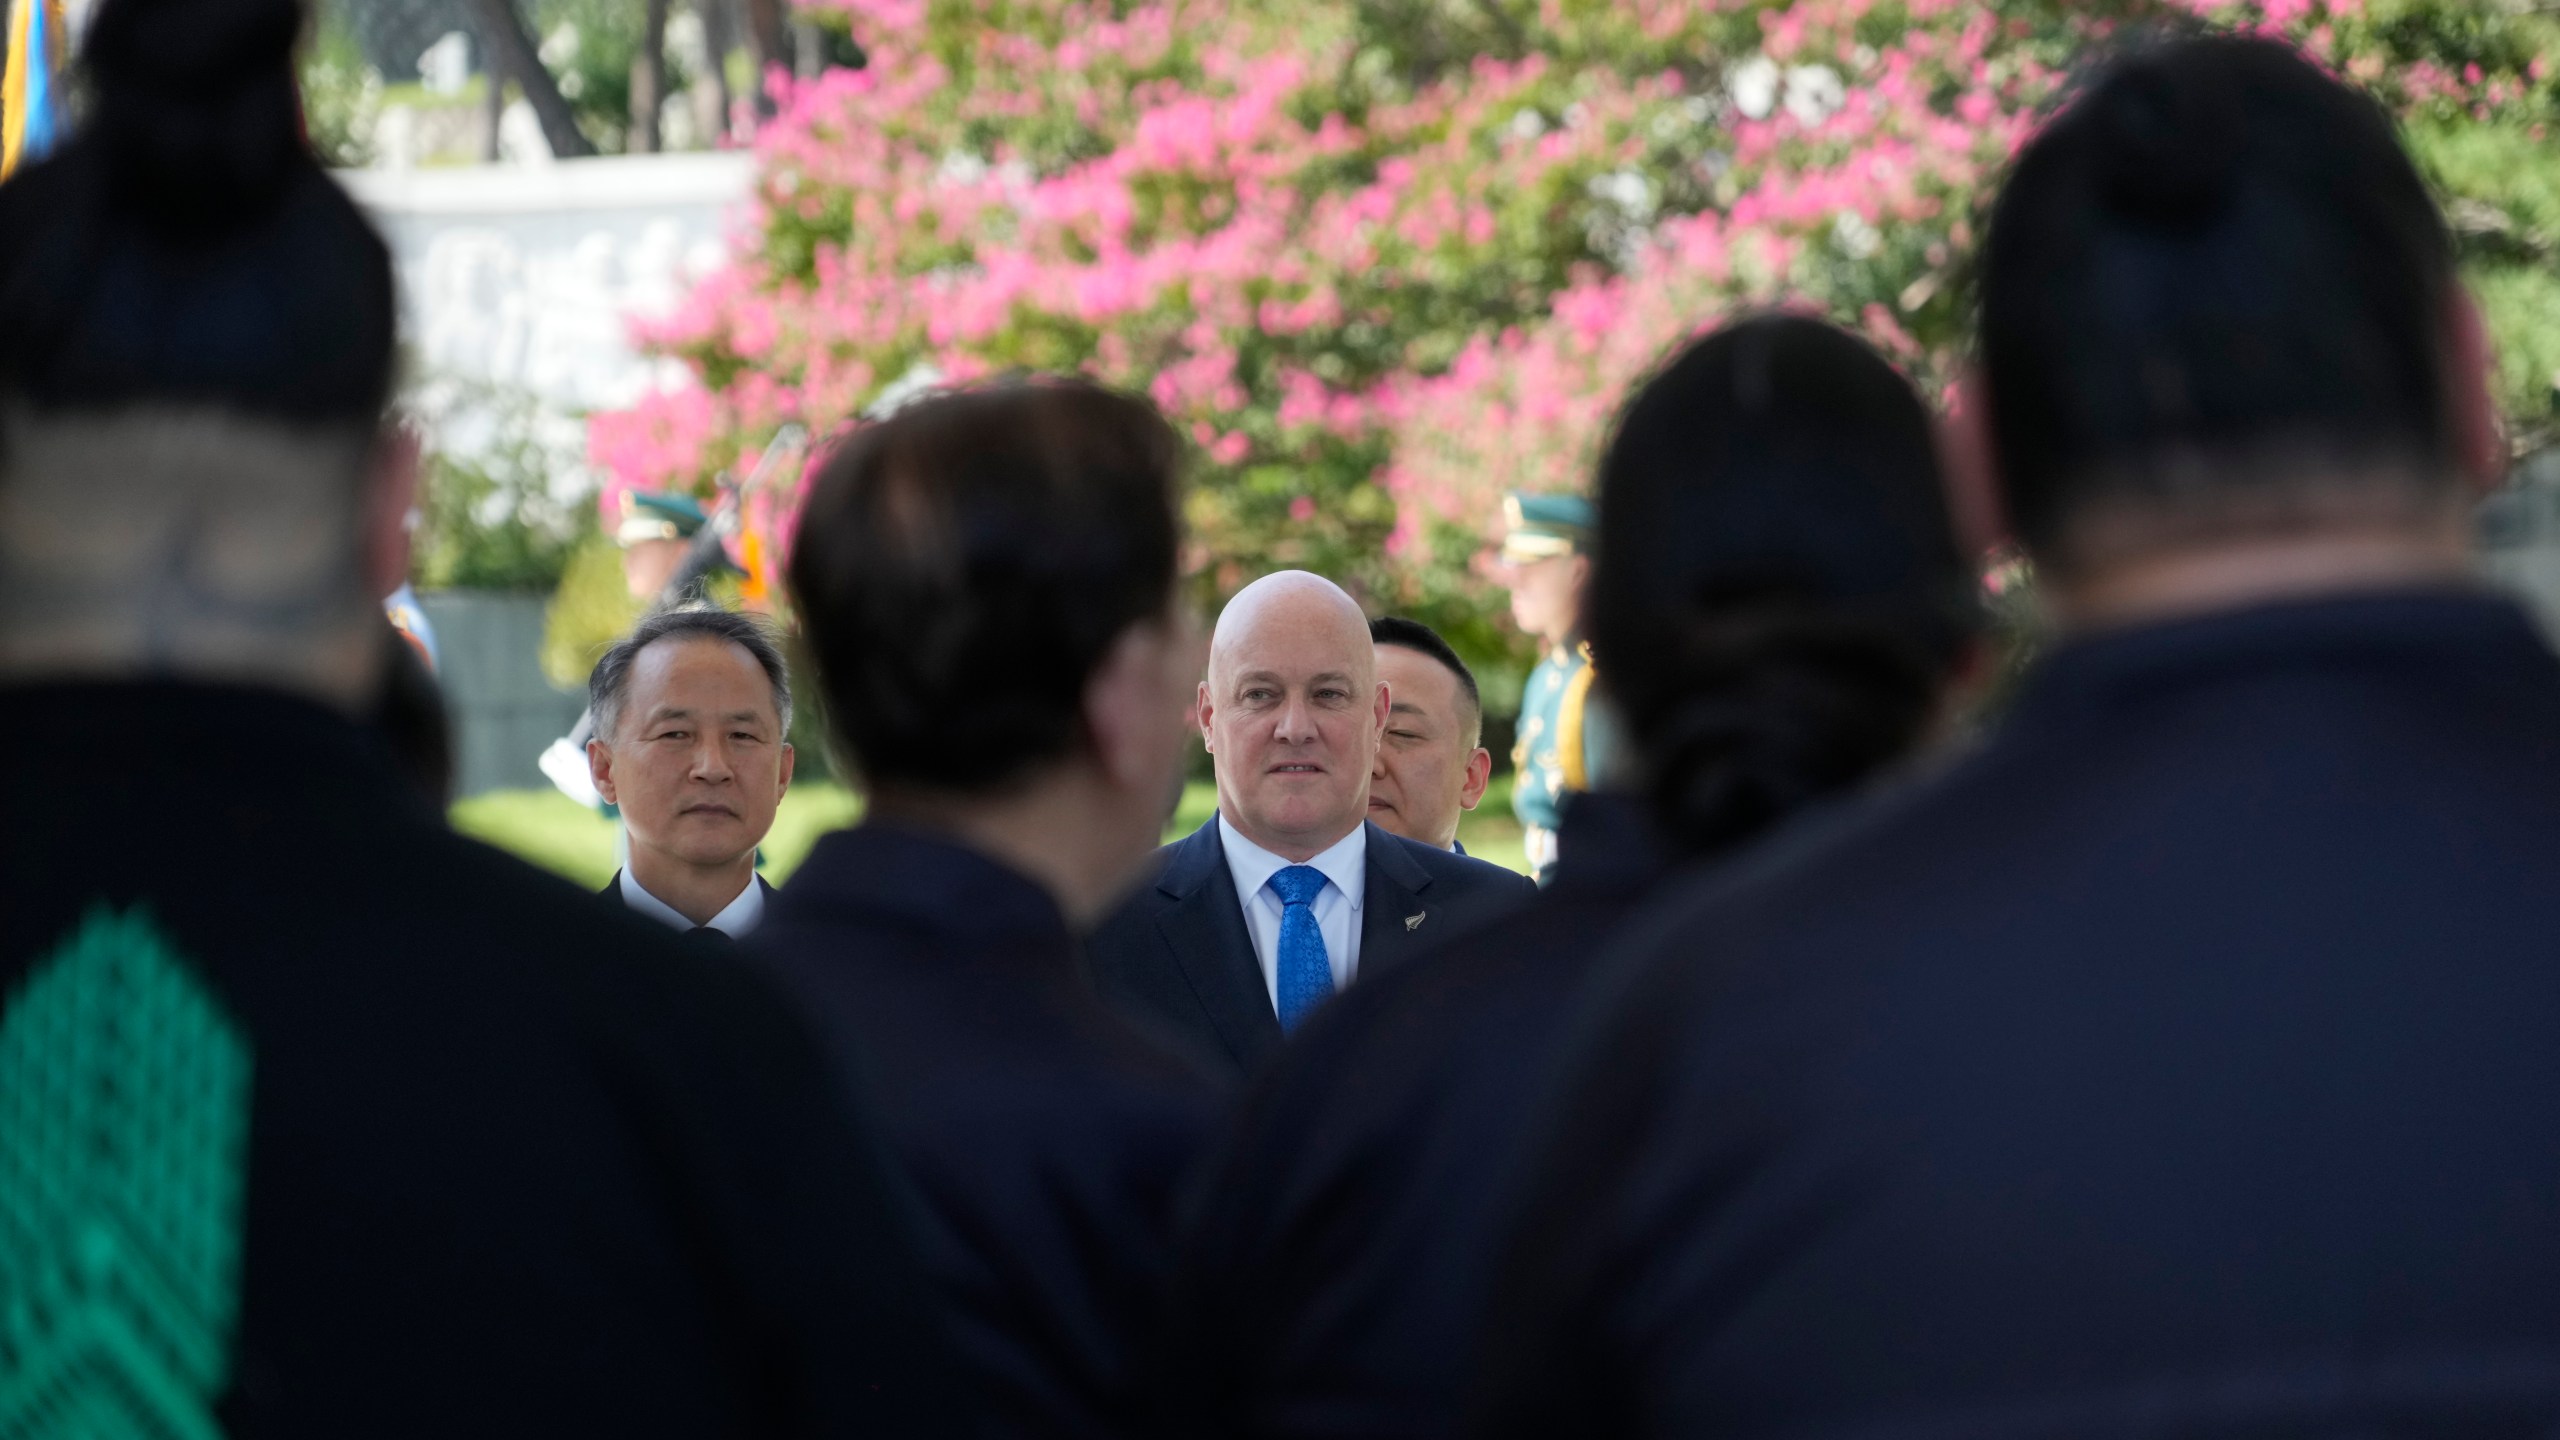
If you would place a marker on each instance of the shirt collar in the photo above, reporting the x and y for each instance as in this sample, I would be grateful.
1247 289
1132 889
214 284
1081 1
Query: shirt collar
1345 862
735 919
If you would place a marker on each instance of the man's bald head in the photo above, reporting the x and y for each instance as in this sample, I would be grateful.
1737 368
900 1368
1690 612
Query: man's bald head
1292 709
1292 603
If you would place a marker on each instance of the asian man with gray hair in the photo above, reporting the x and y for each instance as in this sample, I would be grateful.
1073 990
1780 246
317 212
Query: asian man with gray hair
690 717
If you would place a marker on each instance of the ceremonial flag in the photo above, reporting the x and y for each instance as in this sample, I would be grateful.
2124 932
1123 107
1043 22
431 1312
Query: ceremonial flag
30 98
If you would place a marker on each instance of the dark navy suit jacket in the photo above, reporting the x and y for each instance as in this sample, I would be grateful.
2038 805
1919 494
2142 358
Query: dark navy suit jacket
1177 957
1044 1136
1332 1280
2186 1061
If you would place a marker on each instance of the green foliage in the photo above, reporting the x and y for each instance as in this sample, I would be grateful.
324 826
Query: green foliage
542 828
589 47
503 511
2522 304
2502 191
590 610
341 94
485 527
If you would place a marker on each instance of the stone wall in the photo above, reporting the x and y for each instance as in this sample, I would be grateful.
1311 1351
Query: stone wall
527 276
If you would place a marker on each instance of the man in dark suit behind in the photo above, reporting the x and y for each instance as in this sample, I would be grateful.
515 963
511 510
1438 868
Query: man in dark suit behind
986 581
2180 1063
1288 893
317 1119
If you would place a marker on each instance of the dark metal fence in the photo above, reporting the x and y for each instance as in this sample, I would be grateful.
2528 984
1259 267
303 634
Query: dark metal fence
504 711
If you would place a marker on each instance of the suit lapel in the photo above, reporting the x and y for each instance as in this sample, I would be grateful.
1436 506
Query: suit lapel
1203 925
1395 921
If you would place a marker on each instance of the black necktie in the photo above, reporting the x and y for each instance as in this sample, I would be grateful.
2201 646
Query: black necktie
705 936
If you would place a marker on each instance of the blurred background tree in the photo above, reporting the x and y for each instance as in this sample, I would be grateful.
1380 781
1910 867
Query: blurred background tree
1383 259
341 91
504 502
601 76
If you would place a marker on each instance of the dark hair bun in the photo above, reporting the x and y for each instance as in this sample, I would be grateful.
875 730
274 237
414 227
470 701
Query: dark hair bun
1781 701
2169 142
1777 592
197 107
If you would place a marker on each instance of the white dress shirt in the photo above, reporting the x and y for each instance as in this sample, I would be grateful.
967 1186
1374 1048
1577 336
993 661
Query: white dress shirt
734 920
1337 906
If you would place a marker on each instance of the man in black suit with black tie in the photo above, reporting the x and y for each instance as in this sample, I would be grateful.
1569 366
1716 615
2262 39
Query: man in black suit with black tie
691 713
1288 893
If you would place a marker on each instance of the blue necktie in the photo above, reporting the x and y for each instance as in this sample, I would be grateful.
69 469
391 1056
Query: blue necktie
1306 974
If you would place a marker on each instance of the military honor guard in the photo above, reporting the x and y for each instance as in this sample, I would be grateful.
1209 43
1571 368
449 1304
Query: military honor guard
1563 740
662 555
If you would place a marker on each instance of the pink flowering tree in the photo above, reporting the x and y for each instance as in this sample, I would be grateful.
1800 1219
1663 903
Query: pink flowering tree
1384 260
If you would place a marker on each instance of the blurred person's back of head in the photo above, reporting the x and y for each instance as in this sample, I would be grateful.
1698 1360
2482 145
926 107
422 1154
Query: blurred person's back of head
987 584
2218 312
196 346
1777 600
410 719
346 1121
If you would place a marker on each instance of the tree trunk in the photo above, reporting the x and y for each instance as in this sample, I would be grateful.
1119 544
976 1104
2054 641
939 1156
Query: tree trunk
649 79
493 105
768 45
808 49
511 50
719 37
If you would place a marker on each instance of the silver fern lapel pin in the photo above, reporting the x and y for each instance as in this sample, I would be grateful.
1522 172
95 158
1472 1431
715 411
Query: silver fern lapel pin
1413 921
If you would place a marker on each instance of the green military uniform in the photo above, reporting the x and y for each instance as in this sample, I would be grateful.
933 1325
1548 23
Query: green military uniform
1552 752
1564 742
658 516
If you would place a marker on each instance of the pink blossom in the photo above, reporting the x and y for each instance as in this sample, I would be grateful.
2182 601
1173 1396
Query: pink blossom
1443 288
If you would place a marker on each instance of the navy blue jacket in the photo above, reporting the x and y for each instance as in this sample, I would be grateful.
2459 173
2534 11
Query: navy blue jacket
2187 1061
1044 1136
517 1163
1177 957
1332 1280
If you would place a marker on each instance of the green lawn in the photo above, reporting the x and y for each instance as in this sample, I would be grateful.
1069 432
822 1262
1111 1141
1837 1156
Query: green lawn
549 829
